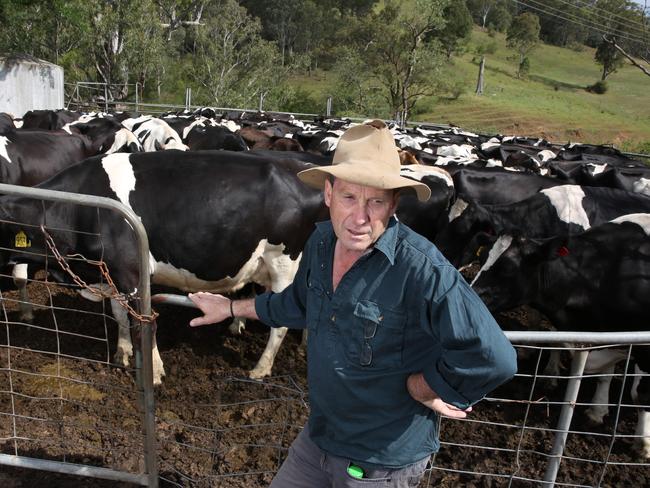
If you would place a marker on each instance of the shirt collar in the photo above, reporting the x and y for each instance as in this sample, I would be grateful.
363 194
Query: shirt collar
387 242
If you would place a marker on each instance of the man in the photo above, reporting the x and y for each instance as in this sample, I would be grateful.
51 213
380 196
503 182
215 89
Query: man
396 336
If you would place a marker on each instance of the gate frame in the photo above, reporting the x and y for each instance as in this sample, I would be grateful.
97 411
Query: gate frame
143 361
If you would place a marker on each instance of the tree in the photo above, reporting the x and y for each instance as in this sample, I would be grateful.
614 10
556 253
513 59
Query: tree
392 47
523 36
458 27
46 29
609 58
480 9
232 62
126 44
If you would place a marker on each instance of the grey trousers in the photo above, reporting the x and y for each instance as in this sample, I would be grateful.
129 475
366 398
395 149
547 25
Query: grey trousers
307 466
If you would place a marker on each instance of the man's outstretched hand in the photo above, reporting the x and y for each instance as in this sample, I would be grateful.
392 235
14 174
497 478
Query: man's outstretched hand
215 308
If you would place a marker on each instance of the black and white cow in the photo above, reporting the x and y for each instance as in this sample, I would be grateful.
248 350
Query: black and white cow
48 119
30 157
106 133
497 186
559 210
248 218
6 123
154 134
596 281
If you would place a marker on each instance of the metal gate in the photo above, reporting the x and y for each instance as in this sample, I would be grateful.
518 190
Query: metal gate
57 379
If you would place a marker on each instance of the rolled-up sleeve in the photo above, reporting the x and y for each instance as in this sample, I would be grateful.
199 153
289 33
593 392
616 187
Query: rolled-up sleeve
476 356
286 308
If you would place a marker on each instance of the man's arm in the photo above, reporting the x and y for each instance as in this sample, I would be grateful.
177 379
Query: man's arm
422 392
217 308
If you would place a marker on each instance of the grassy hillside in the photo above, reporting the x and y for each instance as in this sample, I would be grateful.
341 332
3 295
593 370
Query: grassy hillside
551 102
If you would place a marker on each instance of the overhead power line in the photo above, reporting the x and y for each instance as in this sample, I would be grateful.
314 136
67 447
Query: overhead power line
614 32
608 14
589 23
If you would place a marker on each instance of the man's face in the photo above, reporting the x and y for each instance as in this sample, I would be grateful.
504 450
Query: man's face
359 213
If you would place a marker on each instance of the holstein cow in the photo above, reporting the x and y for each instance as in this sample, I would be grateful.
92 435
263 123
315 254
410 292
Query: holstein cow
598 281
106 135
497 186
560 210
48 119
219 198
6 123
30 157
154 134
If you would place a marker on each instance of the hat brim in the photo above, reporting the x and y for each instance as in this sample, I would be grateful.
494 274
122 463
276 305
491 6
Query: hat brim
363 174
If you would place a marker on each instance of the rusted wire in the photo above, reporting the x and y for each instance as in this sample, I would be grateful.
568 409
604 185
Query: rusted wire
115 294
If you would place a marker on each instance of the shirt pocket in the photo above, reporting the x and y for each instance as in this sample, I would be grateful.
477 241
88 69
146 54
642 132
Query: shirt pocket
376 336
315 292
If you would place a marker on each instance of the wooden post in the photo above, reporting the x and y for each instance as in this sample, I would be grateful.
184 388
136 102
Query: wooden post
479 84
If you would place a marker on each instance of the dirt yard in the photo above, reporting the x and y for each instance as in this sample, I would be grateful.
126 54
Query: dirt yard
217 428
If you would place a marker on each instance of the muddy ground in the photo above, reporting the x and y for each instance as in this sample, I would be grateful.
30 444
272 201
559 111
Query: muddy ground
217 428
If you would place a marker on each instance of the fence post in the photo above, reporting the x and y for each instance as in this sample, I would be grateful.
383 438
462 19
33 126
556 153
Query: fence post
137 84
188 98
261 109
106 97
564 423
328 109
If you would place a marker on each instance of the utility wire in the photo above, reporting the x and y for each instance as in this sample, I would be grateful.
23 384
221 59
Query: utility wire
636 40
607 13
590 23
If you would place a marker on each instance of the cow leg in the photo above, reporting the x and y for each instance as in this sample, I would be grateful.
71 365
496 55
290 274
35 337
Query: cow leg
600 400
124 345
602 361
156 360
20 280
640 396
281 270
265 363
643 431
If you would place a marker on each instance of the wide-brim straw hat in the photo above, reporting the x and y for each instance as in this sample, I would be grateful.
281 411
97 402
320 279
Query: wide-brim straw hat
366 155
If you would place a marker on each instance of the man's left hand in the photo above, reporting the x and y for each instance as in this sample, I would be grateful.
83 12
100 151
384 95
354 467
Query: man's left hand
420 390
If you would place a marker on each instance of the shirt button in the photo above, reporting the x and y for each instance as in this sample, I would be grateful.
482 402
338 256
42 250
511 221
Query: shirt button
322 265
333 318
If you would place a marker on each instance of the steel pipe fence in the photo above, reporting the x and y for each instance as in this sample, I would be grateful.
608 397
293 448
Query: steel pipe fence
60 390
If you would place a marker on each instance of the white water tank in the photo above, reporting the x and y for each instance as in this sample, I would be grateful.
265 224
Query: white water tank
28 83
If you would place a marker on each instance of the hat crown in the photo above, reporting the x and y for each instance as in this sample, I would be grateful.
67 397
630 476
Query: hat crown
366 154
368 144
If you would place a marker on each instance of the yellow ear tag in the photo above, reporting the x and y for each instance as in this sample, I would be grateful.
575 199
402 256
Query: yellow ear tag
21 240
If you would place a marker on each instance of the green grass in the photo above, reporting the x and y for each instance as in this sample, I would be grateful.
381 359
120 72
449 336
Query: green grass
551 102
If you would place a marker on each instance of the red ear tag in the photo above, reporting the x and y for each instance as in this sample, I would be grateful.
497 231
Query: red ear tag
563 251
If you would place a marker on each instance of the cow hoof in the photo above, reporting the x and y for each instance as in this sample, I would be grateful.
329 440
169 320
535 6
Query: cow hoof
597 415
237 326
258 373
28 318
157 377
122 357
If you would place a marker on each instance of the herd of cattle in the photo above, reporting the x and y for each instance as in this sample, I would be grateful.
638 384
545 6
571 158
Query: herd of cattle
563 228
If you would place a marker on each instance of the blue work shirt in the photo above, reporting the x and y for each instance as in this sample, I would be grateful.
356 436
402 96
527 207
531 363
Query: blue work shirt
400 309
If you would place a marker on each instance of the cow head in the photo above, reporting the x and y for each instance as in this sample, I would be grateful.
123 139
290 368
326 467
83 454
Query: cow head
515 271
457 240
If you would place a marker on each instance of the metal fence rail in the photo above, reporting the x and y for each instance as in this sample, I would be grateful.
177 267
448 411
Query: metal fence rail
45 394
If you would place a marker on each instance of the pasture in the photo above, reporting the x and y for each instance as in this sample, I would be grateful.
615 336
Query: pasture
550 103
